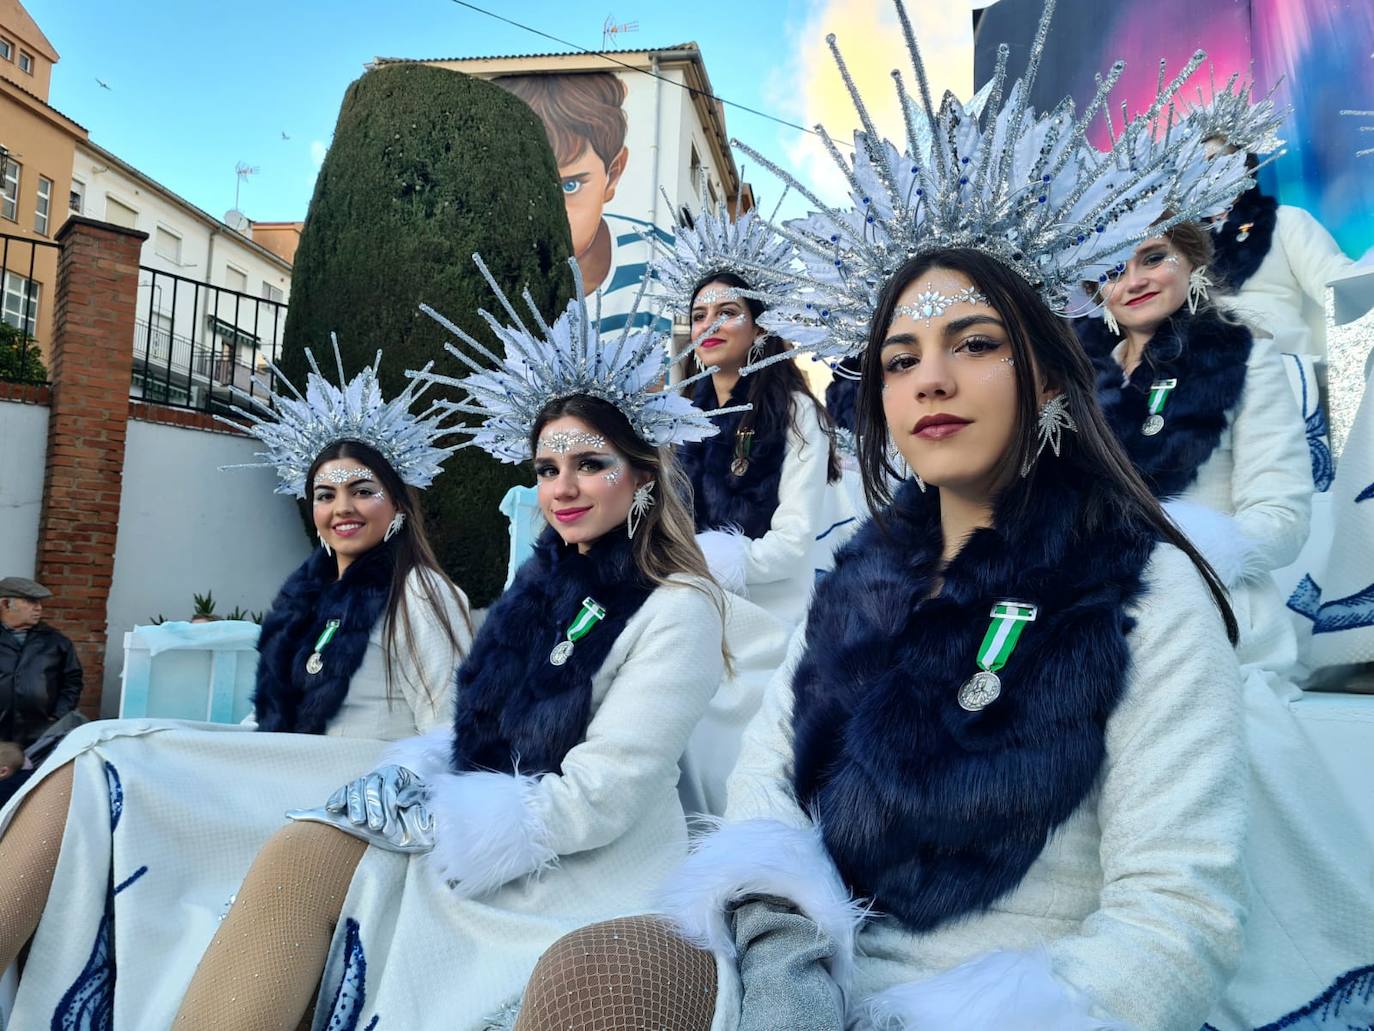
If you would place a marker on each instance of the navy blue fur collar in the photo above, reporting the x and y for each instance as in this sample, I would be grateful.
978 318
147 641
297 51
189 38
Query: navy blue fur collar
514 706
1208 358
930 811
842 395
1237 260
287 698
720 499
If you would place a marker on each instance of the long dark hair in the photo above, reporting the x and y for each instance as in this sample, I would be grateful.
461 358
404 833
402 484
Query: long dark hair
411 549
1040 341
771 389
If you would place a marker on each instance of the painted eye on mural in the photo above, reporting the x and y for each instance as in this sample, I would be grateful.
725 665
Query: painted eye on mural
571 185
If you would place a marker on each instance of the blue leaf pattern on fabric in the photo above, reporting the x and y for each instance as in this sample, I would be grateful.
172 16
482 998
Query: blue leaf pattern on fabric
1348 1005
1365 494
1323 468
1349 613
351 995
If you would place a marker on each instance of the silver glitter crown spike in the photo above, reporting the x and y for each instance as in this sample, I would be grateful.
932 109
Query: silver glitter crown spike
712 241
1027 190
296 427
507 392
1232 114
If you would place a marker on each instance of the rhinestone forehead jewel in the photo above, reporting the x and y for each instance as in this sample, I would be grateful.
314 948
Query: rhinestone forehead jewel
629 369
294 427
1029 191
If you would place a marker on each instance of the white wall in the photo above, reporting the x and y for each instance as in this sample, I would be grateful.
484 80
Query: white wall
186 528
23 452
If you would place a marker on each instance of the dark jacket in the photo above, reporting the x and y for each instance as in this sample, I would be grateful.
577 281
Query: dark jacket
40 682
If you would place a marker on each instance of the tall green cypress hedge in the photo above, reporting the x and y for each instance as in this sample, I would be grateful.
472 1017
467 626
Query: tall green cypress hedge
427 166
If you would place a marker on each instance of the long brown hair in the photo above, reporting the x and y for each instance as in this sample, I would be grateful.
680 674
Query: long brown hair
772 389
1040 342
411 549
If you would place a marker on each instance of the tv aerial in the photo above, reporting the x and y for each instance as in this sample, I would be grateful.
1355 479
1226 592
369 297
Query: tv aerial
609 30
241 173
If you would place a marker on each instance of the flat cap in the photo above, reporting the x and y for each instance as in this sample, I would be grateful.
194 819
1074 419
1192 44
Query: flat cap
23 587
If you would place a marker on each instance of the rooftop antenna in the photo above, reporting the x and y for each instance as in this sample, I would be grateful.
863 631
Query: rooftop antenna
609 30
241 172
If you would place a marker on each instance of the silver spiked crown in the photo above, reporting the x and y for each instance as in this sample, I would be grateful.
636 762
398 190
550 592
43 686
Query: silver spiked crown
1232 114
1029 191
629 369
295 427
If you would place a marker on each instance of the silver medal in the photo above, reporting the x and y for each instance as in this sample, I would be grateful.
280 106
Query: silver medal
1153 425
314 664
561 653
980 691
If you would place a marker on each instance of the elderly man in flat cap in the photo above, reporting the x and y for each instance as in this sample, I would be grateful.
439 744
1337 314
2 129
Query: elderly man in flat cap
40 675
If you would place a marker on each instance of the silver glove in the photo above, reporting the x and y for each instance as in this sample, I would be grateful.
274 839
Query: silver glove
385 808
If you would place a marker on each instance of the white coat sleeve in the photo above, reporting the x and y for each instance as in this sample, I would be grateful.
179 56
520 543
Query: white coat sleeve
1172 808
1313 255
425 658
801 502
1271 478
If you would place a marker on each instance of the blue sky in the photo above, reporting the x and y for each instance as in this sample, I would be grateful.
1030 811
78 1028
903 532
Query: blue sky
198 87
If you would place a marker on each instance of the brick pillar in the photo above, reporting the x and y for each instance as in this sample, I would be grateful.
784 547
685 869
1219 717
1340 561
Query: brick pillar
91 364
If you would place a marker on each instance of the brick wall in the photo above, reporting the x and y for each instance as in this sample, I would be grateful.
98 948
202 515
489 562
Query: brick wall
91 365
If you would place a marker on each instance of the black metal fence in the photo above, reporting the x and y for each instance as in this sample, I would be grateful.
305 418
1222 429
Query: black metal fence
26 275
196 345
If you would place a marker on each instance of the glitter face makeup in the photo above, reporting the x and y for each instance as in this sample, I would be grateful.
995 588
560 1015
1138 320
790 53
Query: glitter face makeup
339 476
930 304
560 442
615 473
717 294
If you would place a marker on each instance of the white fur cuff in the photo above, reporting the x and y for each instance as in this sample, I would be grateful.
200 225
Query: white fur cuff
429 755
1010 991
761 857
1231 553
727 556
486 831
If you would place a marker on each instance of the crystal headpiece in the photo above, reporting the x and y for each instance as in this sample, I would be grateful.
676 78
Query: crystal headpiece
1232 115
296 427
712 241
628 369
1028 191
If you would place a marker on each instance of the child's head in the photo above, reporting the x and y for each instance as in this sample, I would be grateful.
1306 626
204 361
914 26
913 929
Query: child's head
585 122
11 759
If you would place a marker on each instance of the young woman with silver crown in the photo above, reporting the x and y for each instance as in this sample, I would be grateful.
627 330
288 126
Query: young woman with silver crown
139 831
998 782
551 799
1204 411
761 487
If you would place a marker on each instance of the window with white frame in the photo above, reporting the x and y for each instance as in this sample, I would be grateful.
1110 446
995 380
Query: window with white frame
26 62
76 201
120 214
43 210
6 49
9 190
20 304
235 279
167 244
272 293
694 171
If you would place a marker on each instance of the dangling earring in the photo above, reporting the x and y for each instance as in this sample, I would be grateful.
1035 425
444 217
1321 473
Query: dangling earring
325 545
394 527
1198 287
1112 327
894 455
643 501
1053 419
756 349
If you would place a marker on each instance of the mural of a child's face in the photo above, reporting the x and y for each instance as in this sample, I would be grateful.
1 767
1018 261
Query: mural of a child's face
588 184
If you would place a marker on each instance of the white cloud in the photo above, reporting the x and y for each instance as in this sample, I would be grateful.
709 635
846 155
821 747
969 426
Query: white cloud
318 149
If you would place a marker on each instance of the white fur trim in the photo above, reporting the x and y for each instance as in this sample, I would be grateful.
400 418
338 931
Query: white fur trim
428 755
727 556
486 831
761 857
1009 991
1231 553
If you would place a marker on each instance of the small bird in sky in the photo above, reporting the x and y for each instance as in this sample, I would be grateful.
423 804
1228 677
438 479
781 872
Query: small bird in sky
284 136
102 83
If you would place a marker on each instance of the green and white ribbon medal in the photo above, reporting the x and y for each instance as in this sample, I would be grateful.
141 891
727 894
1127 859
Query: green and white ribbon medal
590 614
1159 394
1009 618
316 661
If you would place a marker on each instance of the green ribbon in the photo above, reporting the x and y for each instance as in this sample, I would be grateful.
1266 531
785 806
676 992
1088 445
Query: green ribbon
330 629
1159 394
1009 618
587 617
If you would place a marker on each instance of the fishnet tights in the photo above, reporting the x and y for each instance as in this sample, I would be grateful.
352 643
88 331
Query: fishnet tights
264 964
28 859
621 974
